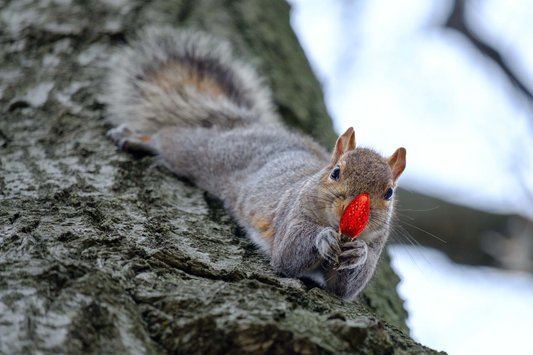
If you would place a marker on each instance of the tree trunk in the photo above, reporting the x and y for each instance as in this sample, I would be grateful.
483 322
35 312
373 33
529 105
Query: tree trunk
102 253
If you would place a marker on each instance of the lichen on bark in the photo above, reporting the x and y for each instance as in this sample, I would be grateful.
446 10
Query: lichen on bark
102 253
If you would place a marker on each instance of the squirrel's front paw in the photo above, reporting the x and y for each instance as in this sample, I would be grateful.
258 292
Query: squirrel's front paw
327 244
353 254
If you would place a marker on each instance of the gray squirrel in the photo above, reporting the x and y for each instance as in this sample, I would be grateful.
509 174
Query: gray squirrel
183 96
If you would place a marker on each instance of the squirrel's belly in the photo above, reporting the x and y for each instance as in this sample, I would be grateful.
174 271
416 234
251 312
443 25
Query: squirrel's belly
264 244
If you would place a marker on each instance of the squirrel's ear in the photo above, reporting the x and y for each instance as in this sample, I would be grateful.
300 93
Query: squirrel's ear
345 143
397 163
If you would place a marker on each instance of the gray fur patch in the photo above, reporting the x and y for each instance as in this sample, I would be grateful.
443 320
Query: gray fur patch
146 105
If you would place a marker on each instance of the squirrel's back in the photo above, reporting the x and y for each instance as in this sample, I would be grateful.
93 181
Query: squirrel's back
173 77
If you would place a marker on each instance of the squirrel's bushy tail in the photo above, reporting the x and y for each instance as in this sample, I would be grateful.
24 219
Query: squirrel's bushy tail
171 77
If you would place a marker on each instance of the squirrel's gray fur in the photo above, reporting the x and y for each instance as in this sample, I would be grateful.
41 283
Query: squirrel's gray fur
183 96
146 106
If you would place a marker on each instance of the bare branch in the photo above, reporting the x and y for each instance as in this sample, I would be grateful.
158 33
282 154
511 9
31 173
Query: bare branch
457 22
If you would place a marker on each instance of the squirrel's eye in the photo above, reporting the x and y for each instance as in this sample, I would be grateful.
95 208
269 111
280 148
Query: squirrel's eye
336 173
388 194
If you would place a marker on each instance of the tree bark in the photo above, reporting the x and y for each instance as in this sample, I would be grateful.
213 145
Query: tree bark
101 253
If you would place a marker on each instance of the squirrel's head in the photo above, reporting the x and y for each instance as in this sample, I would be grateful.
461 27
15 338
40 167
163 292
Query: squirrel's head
353 171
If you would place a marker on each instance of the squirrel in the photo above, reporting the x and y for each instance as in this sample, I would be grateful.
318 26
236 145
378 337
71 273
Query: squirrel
183 96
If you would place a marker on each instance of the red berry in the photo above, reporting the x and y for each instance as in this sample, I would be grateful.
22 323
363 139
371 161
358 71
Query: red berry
355 216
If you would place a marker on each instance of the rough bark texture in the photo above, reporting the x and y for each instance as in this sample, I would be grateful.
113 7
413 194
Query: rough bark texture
101 253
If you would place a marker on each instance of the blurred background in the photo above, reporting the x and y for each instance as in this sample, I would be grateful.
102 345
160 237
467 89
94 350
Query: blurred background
452 82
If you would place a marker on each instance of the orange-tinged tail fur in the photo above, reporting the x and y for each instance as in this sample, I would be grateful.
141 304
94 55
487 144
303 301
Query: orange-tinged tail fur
170 77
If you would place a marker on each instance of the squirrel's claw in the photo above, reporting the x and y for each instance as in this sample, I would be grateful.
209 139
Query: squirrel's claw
119 133
327 244
353 255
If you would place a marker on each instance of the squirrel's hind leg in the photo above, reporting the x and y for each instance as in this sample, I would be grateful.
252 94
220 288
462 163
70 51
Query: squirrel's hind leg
128 141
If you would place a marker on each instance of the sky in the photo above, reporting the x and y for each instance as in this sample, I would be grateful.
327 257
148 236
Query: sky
388 70
464 310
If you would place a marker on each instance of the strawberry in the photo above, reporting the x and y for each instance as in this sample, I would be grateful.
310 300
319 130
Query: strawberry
355 216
